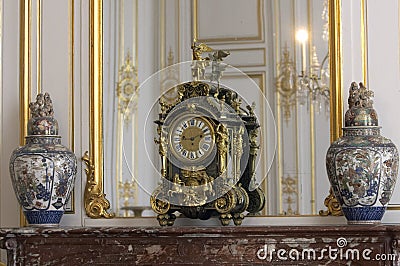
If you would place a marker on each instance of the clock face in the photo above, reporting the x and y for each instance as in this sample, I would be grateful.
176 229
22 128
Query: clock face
192 140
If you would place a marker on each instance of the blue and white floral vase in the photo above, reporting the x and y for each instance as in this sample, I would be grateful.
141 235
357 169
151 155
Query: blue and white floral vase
362 165
43 171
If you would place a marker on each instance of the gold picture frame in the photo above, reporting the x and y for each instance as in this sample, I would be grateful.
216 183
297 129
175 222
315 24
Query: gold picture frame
95 202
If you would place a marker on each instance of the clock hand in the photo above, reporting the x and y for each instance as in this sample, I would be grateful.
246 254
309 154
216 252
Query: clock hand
199 135
187 139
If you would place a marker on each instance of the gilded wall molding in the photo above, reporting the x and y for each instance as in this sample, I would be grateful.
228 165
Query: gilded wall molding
70 207
364 42
95 202
25 65
25 72
336 101
335 66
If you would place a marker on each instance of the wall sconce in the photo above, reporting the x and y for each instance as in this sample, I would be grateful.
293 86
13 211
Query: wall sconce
311 86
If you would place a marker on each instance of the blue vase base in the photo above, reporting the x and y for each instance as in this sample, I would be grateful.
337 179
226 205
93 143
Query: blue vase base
43 218
363 215
352 222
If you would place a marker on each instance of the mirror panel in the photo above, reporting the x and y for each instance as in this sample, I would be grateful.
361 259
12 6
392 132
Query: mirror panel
266 33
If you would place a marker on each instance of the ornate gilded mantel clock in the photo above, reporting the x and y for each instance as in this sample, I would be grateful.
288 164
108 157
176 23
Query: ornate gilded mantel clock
208 148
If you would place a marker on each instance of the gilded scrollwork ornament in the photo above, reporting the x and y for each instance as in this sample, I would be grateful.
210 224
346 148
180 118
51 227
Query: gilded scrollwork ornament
286 83
158 205
96 204
127 88
333 206
226 203
290 194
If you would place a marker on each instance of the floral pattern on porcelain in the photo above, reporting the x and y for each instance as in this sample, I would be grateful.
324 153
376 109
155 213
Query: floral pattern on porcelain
362 165
365 175
44 179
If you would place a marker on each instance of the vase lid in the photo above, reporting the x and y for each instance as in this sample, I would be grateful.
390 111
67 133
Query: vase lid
361 112
42 121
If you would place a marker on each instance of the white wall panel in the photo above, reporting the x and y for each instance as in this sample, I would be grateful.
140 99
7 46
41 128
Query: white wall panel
253 57
9 208
229 20
384 70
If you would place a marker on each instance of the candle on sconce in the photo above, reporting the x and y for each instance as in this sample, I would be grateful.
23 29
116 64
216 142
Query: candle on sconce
302 36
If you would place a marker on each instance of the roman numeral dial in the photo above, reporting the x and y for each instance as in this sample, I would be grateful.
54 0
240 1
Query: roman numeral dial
192 138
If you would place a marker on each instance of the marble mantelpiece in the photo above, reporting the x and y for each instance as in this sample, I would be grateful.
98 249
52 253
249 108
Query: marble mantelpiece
244 245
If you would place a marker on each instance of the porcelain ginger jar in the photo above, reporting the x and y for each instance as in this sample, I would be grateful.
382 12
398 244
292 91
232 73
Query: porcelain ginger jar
362 165
43 171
